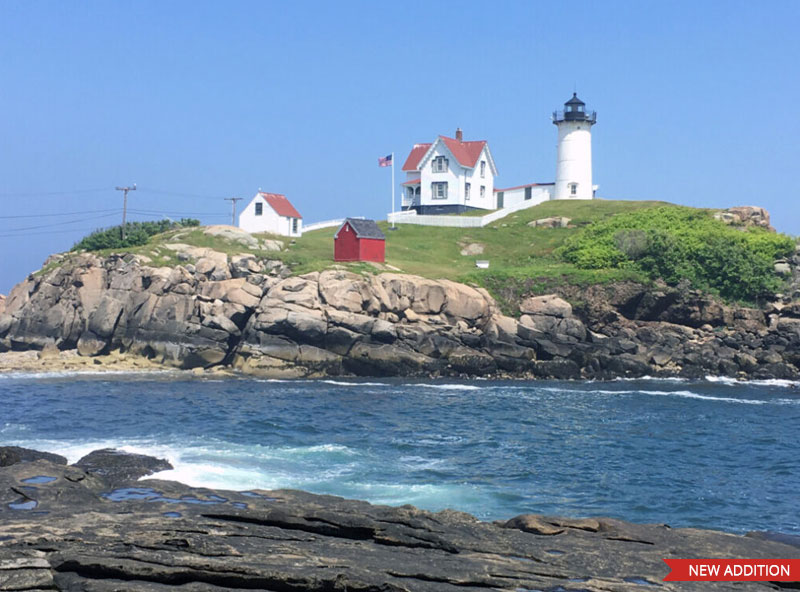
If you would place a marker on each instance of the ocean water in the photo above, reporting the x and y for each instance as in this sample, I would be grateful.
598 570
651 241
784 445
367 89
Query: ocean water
712 454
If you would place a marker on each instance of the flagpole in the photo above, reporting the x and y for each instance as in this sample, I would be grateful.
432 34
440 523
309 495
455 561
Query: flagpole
393 190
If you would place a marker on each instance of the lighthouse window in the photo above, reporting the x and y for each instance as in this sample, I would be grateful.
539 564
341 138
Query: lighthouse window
573 189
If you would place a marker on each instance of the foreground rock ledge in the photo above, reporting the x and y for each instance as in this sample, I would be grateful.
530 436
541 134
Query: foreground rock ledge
63 528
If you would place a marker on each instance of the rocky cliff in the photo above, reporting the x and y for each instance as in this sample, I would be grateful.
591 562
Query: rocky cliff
93 526
251 314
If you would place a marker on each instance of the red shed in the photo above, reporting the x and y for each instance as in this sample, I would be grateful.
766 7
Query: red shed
359 240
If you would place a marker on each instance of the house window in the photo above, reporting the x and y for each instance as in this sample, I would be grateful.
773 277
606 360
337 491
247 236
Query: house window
483 168
259 208
573 189
439 190
294 225
439 164
483 191
466 191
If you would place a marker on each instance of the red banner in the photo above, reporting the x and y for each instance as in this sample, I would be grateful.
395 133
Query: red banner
733 570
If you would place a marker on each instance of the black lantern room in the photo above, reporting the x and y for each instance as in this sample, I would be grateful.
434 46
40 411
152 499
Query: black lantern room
574 110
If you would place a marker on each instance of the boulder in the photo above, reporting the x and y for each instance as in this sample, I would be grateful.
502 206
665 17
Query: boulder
232 234
295 290
745 216
343 290
11 455
553 222
463 302
472 249
549 305
115 466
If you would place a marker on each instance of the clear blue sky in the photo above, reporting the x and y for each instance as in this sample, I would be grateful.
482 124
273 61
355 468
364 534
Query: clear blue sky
197 101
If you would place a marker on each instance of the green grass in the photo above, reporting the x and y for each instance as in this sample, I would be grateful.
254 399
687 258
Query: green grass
512 247
523 259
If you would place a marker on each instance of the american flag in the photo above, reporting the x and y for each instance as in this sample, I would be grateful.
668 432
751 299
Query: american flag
385 160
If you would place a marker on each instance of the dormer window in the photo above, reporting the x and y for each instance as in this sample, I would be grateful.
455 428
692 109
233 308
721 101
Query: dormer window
483 168
439 164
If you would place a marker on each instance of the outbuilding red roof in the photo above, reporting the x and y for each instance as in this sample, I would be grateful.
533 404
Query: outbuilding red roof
281 205
413 182
466 153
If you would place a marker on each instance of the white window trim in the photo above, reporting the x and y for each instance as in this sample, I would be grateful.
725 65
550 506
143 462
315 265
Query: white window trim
440 164
467 187
483 169
435 185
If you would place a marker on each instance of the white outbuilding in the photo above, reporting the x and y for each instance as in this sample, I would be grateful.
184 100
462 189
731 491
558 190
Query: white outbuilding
273 213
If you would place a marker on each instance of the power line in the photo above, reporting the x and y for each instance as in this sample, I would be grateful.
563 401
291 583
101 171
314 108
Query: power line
175 213
55 224
61 214
45 193
177 194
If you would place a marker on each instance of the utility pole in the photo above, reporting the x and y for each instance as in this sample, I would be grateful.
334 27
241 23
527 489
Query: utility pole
233 201
125 204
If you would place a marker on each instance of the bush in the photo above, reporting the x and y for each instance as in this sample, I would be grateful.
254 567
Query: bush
136 234
676 243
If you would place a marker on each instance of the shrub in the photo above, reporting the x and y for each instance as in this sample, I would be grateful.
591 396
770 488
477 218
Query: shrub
136 234
676 243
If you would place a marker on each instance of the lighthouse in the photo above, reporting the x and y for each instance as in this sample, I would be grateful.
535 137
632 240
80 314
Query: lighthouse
574 165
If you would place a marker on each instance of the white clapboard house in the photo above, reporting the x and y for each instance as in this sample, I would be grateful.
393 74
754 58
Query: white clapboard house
271 212
449 176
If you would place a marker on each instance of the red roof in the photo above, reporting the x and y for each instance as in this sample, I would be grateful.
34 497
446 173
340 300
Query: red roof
281 205
466 153
413 182
524 186
417 152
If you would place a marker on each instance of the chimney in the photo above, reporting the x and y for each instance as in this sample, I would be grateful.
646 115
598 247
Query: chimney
459 135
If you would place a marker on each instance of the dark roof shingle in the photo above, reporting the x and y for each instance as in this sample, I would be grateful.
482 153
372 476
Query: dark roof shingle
364 228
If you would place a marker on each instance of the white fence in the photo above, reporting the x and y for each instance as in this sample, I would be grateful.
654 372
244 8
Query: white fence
411 216
323 224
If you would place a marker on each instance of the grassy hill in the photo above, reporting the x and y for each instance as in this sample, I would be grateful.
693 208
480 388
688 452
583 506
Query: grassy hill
606 241
510 245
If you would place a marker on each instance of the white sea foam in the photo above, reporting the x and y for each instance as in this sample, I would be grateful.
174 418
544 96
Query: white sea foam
345 383
681 393
686 394
650 378
88 374
448 387
779 382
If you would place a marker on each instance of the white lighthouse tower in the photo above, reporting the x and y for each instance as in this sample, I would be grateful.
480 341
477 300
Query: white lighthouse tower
574 166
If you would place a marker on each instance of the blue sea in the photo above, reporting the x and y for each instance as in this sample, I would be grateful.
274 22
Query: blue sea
711 454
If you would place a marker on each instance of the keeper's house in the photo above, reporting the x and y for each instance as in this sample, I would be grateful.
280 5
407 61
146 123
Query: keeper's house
271 212
449 176
359 240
